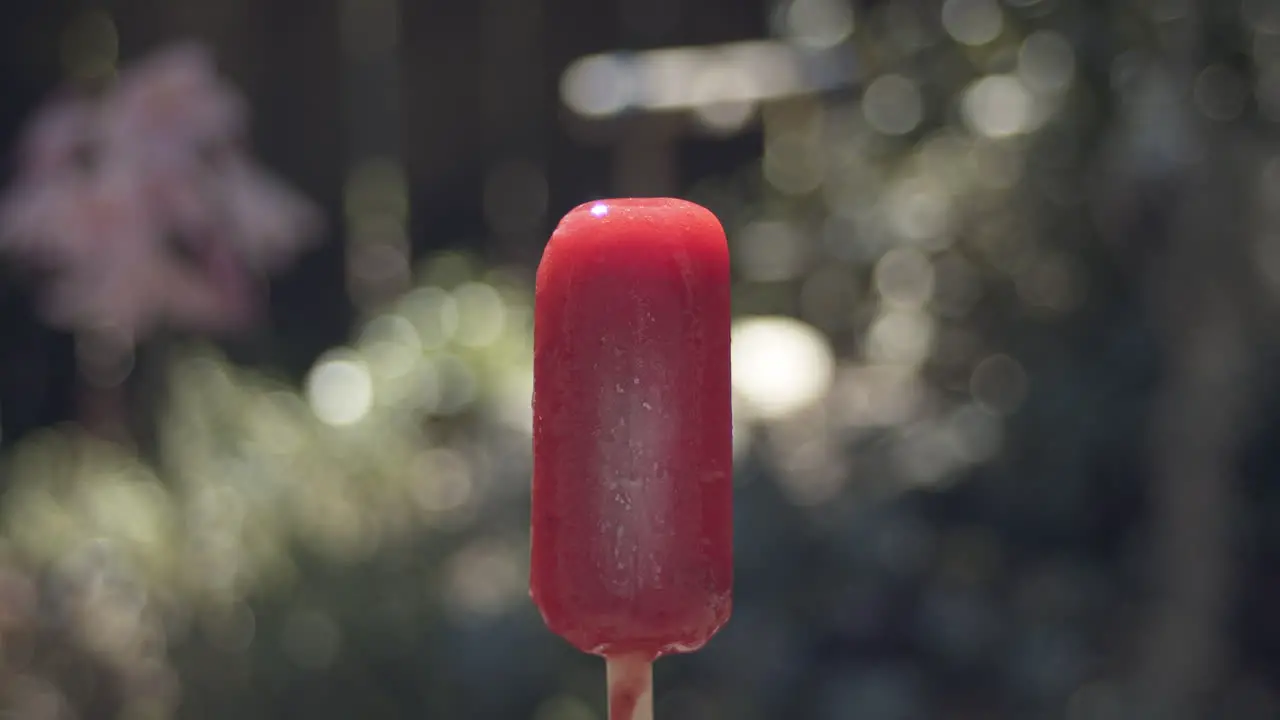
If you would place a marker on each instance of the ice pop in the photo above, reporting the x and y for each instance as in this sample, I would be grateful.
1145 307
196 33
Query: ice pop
632 548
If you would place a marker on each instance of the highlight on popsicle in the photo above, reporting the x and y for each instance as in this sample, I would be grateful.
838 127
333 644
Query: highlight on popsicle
632 515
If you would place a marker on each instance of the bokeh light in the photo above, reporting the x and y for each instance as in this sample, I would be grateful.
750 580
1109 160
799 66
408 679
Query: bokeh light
340 390
819 23
972 22
893 105
780 365
998 106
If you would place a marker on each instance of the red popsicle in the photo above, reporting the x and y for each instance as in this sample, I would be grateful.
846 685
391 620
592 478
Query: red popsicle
632 523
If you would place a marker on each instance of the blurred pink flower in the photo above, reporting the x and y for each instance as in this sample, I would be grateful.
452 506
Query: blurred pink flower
145 208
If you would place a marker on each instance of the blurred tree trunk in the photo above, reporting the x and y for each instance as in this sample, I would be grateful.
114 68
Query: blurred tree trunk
1200 308
1177 192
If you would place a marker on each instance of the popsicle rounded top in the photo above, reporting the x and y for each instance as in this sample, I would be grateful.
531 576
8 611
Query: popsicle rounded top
632 489
630 224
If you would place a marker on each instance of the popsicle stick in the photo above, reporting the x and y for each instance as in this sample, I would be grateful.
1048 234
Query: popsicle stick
630 687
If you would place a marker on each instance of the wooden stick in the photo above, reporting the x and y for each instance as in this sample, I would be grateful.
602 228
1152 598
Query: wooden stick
630 687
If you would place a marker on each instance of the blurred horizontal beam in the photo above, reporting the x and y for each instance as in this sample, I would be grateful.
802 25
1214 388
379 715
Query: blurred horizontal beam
690 78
